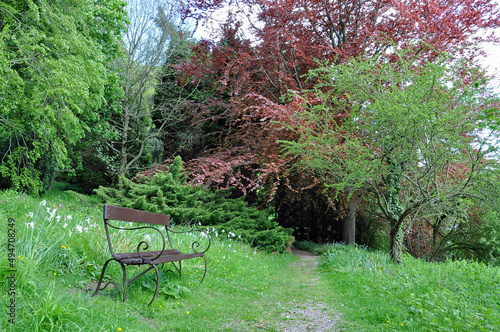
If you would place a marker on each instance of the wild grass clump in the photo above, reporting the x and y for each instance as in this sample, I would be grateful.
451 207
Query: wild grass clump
379 295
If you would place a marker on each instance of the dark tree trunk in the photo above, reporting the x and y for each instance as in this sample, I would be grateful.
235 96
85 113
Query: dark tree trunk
349 220
395 246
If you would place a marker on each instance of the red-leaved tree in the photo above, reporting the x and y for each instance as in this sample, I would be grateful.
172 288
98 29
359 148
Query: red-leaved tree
247 73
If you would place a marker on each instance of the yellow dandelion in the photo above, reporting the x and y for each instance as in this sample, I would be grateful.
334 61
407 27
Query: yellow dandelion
55 273
64 247
120 329
187 312
19 256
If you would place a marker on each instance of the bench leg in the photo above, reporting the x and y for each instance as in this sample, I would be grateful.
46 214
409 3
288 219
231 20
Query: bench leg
179 268
124 271
205 273
157 284
98 288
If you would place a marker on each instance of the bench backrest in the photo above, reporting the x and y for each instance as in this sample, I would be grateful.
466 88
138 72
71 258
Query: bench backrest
112 212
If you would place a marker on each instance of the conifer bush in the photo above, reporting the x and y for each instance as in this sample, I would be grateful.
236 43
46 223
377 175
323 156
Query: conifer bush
169 193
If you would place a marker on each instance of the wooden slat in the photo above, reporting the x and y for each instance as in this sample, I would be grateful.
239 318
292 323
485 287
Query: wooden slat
145 254
112 212
165 258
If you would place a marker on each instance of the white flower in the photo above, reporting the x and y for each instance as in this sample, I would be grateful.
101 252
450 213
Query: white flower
30 214
42 203
30 224
65 225
48 210
88 220
79 228
70 233
69 217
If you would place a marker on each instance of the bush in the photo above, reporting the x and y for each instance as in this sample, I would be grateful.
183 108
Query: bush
168 193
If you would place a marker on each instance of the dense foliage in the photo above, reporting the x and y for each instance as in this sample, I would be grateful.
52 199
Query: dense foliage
168 193
413 141
92 92
53 64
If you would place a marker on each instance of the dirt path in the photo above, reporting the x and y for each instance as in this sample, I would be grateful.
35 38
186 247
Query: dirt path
313 315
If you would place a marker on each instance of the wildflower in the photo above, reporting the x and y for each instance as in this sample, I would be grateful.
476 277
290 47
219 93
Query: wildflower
79 228
70 233
55 273
64 247
30 214
30 224
120 329
69 217
187 312
43 203
58 218
88 220
65 225
19 256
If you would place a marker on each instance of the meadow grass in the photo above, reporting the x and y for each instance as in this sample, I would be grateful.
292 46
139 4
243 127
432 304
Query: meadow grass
61 248
376 295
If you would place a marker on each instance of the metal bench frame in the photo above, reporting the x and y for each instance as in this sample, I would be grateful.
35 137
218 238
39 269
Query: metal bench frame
141 256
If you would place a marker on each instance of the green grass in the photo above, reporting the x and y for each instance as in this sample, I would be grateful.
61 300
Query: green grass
377 295
244 290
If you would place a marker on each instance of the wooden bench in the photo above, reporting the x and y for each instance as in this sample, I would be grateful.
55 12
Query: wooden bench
153 258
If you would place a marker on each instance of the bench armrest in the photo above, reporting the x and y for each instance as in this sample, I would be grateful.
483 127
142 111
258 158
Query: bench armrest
195 245
143 245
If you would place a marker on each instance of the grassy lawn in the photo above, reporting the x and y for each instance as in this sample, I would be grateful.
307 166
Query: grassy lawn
61 247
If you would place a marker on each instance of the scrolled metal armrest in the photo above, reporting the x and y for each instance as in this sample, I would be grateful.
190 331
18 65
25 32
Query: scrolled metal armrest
195 244
144 243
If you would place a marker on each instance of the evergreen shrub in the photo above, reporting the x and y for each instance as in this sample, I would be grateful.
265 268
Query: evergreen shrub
168 193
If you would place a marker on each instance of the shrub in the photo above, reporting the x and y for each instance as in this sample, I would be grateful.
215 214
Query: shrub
168 193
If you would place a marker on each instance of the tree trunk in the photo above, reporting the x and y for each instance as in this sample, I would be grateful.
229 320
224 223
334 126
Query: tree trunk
349 220
395 246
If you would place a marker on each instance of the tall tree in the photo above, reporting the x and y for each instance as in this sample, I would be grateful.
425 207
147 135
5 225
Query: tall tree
412 137
287 37
54 70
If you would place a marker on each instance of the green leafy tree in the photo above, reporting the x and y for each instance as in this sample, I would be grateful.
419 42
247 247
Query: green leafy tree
168 193
53 64
411 137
